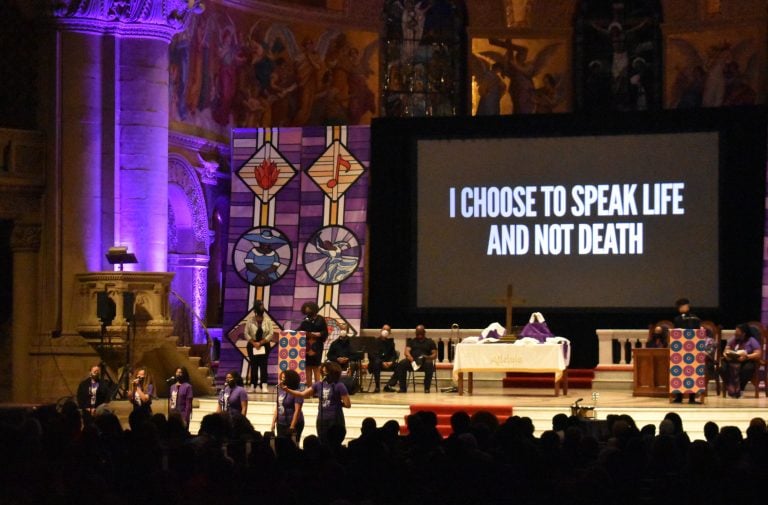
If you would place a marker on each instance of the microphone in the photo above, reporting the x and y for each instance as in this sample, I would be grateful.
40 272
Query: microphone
170 380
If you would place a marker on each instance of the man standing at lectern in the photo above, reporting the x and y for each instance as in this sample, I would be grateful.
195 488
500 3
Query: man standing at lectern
419 350
685 319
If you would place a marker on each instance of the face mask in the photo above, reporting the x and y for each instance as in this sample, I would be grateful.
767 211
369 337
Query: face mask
178 378
231 383
95 376
384 333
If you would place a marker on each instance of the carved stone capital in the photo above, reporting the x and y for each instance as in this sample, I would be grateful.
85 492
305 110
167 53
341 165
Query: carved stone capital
153 19
25 237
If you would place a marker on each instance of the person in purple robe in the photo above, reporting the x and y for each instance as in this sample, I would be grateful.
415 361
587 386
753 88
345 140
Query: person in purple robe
180 395
233 399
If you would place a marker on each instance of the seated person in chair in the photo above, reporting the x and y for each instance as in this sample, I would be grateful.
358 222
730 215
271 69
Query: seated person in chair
420 350
658 339
340 350
382 355
739 360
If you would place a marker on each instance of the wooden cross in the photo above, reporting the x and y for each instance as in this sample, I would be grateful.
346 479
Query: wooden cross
509 302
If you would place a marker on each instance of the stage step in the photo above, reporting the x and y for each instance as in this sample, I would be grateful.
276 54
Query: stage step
577 379
613 378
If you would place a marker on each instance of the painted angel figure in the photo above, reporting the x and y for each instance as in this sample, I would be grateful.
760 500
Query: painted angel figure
521 71
550 94
490 86
715 79
309 64
361 97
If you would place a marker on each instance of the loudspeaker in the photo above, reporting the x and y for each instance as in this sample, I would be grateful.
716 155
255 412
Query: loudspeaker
105 308
129 300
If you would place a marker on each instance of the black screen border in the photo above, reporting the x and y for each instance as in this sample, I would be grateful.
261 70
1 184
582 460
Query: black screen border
392 218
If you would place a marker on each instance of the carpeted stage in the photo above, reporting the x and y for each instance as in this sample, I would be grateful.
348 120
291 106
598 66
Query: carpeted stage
538 404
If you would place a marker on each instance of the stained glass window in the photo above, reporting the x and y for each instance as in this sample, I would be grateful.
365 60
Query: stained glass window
423 58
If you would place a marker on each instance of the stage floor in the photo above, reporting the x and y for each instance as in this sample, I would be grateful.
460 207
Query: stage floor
538 404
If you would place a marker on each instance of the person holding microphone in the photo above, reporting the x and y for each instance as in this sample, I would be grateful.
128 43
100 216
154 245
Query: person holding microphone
288 417
141 392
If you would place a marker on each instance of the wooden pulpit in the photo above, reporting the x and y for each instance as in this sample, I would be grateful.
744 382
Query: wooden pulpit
651 372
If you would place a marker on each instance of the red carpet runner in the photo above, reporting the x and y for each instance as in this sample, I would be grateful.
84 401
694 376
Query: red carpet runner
444 413
577 379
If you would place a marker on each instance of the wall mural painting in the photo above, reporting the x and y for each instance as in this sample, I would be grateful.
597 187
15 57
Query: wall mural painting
231 70
519 76
714 69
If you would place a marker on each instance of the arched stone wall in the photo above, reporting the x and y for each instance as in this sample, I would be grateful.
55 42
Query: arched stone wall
188 241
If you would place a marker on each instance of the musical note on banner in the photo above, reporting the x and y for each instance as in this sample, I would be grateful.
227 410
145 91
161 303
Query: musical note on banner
340 161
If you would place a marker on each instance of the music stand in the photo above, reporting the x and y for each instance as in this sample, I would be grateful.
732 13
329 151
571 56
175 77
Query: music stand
119 256
123 382
105 311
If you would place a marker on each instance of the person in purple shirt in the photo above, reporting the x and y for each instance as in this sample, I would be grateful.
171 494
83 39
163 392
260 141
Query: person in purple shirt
739 360
333 397
141 392
288 417
180 395
233 399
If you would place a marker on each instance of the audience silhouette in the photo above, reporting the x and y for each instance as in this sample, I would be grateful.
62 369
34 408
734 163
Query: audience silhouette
59 455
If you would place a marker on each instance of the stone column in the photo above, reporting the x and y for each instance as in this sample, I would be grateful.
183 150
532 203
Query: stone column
112 127
25 243
142 220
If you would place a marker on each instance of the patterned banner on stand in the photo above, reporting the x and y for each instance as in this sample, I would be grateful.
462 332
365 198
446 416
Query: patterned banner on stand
291 352
687 358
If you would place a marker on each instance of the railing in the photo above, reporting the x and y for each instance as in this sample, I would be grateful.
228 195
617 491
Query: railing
188 339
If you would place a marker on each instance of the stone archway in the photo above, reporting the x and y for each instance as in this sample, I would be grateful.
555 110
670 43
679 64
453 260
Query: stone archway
188 258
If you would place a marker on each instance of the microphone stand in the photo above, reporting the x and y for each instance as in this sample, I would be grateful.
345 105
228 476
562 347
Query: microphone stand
320 408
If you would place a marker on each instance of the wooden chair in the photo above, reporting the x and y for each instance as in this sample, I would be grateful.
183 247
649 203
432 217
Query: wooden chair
714 331
385 375
412 378
759 332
